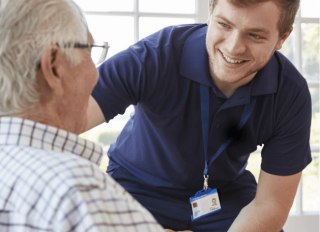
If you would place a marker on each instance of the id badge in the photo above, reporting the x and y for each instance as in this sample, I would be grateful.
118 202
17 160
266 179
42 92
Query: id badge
205 202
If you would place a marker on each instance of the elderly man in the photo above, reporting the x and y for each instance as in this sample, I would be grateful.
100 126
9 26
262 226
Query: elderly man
50 179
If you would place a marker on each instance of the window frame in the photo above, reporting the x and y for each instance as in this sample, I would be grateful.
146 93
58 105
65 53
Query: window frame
297 35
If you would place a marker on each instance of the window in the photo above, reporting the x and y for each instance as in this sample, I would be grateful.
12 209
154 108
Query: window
305 44
123 22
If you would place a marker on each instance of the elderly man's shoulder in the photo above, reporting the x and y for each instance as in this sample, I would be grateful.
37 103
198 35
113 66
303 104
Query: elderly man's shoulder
42 170
70 170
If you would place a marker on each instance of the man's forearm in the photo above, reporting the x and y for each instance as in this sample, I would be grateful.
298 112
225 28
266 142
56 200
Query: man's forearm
260 218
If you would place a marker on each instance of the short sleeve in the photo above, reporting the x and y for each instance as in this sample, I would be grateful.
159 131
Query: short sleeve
288 150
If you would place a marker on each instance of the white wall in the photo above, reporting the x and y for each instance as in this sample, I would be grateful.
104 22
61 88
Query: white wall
302 223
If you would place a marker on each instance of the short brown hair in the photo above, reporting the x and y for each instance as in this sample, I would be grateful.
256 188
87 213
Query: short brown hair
288 10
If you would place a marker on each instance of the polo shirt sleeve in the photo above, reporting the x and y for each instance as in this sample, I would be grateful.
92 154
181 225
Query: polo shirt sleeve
288 150
129 77
119 78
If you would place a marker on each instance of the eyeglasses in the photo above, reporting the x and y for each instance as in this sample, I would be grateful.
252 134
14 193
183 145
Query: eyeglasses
98 50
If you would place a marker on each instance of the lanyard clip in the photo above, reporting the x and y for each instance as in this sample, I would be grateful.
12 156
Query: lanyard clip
205 183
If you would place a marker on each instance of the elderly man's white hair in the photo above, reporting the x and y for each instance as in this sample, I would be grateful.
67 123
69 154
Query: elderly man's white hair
27 28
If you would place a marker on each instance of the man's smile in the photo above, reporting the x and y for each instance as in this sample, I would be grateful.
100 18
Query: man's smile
231 60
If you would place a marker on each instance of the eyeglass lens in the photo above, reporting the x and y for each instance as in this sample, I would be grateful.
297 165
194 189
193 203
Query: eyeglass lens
98 54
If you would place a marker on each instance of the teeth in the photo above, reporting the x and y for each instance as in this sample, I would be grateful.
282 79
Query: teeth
232 61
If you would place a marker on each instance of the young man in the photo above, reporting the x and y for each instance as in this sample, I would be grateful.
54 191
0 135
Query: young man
50 178
205 97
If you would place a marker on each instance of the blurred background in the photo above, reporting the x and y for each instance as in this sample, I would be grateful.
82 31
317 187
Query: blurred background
123 22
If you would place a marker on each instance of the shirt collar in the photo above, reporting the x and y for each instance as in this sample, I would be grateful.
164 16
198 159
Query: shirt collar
194 66
266 80
23 132
194 58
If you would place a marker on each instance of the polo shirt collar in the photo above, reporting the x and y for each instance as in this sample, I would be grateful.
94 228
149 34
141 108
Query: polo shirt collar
194 66
266 80
194 58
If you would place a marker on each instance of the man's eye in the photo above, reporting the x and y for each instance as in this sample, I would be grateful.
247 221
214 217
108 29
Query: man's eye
256 37
224 25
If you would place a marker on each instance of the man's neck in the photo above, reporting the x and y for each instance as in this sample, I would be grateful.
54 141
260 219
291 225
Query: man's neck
228 88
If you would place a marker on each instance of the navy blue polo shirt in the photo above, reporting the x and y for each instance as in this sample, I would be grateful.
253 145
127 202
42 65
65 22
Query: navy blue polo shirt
162 143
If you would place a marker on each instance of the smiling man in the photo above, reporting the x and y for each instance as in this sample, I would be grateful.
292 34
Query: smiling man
238 46
205 96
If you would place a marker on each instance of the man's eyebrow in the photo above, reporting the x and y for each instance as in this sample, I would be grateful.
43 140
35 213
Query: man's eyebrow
253 29
259 30
223 18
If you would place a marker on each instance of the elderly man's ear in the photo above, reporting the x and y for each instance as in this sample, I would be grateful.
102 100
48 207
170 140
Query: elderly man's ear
52 63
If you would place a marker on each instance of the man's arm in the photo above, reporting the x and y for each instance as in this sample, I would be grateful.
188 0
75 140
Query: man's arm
269 209
94 114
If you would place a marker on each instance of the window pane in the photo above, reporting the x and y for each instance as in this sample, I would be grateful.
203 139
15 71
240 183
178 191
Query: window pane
106 133
311 186
287 48
310 181
315 127
105 5
310 51
167 6
254 163
103 28
149 25
310 8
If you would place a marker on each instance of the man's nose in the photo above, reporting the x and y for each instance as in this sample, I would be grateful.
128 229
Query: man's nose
236 44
